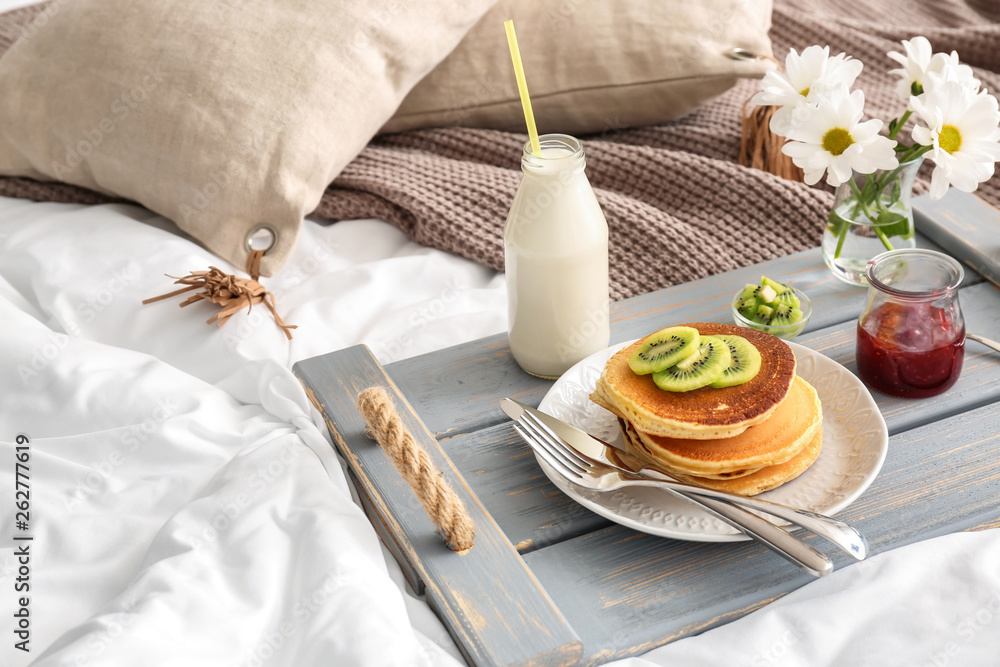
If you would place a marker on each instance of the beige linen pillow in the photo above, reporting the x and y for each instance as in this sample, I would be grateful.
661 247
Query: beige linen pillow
593 65
218 114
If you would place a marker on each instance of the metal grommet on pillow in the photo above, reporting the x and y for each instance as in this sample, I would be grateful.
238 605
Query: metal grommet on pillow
740 54
262 237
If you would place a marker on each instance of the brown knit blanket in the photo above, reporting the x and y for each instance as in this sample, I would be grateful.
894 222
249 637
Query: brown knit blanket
678 205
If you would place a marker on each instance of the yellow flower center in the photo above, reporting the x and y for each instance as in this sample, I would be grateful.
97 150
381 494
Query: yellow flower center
805 91
950 139
837 140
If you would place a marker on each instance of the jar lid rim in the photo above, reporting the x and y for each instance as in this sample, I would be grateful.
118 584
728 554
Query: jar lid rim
957 271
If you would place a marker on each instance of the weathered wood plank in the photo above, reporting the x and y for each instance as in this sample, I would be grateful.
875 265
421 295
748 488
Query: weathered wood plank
534 514
439 382
502 471
626 592
485 597
991 524
388 539
456 390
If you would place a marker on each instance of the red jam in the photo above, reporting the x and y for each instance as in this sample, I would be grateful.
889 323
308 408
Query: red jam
913 350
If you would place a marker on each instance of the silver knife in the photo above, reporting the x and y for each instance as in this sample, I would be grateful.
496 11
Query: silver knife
839 533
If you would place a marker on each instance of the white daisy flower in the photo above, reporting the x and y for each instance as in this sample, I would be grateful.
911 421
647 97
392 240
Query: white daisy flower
962 128
914 66
919 62
806 78
830 137
947 67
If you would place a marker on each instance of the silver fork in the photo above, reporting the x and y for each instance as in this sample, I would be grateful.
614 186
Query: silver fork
774 537
839 533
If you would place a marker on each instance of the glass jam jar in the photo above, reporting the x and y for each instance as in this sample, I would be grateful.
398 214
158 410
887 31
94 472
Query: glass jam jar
911 334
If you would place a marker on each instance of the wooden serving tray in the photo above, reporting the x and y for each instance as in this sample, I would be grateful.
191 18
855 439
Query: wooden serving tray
549 582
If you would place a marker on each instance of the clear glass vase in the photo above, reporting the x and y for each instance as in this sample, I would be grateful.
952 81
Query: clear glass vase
871 214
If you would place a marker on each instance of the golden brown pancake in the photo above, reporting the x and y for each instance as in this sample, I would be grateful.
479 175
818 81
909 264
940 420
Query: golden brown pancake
635 444
775 440
704 413
730 475
762 480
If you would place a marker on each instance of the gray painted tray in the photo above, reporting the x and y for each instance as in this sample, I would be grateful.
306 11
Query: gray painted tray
550 583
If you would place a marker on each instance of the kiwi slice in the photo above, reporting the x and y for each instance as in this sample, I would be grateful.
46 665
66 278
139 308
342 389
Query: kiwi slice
789 299
744 362
785 315
747 308
779 288
770 293
702 368
663 349
750 292
763 314
786 294
778 315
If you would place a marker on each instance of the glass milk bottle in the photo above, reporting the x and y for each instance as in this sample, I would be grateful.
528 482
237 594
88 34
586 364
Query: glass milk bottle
556 260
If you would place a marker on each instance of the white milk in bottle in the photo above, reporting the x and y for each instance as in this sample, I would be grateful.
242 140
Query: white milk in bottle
556 260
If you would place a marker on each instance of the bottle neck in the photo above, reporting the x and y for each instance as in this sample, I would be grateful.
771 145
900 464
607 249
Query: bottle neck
561 154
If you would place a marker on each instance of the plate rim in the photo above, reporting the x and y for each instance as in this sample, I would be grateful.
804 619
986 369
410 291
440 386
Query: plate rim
879 448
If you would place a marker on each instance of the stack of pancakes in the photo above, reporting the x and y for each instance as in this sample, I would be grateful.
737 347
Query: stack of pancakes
744 439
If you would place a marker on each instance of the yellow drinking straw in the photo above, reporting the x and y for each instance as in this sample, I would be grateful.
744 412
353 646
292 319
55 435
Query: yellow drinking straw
522 87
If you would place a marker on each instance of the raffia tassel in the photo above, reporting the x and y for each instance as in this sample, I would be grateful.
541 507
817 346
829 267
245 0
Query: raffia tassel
760 148
230 292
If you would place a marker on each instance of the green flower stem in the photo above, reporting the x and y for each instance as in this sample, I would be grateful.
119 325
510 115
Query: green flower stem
841 237
844 225
882 237
868 199
917 150
900 123
878 231
860 198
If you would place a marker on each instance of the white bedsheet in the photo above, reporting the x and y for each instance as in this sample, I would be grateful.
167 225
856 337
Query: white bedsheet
184 503
187 508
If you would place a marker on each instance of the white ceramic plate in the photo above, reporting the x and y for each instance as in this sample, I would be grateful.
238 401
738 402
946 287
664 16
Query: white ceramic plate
855 441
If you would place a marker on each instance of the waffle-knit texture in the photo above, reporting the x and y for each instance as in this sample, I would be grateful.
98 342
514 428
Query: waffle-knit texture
678 205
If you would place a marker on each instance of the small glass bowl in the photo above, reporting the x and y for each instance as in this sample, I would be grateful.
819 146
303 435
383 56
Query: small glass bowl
786 331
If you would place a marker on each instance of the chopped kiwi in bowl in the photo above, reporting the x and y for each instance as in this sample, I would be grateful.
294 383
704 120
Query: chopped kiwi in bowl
771 306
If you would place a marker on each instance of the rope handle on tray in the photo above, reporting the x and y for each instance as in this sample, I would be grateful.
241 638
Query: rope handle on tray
439 500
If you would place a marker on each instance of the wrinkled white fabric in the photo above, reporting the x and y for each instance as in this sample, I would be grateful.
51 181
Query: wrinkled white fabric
930 604
187 507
